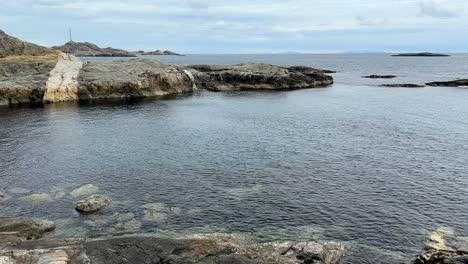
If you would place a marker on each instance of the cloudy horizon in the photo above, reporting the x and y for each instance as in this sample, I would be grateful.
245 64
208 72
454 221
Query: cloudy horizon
208 26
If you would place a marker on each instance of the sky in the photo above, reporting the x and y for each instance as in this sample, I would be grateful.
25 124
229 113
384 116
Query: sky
244 26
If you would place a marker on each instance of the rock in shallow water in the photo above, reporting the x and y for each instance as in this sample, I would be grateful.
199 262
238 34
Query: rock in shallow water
93 204
84 190
20 229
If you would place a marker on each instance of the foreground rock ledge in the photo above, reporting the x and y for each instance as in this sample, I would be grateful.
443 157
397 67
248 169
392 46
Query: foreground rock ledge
214 248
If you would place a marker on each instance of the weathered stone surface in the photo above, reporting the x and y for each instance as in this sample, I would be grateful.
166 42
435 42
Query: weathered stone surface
209 249
132 78
421 54
444 247
258 77
456 83
93 204
20 229
86 49
402 85
380 76
62 84
3 196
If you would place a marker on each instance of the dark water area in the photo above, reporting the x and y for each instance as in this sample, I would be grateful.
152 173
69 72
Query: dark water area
377 168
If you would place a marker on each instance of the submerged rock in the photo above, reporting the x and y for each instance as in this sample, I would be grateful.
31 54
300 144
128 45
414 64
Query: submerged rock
380 76
37 197
456 83
21 229
93 204
17 190
3 196
84 190
253 76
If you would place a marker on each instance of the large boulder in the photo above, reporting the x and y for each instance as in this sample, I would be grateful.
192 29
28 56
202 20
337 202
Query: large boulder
93 204
253 76
21 229
132 78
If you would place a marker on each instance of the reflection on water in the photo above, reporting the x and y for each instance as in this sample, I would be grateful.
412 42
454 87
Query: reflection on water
376 168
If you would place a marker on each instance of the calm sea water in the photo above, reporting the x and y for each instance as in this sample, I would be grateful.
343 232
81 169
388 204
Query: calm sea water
374 167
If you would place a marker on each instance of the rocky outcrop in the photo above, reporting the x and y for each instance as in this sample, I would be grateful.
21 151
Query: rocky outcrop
217 248
421 54
132 78
444 247
20 229
456 83
402 85
254 76
93 204
86 49
380 77
12 46
58 76
155 53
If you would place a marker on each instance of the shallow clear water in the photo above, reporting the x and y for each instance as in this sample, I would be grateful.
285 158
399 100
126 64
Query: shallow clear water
375 167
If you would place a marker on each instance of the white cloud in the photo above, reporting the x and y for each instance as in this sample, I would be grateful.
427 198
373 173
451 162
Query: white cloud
438 9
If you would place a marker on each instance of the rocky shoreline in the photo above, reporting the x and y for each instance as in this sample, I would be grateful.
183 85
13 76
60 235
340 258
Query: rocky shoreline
20 243
34 74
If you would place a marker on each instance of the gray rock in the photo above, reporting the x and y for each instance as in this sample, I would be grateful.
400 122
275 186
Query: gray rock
132 78
93 204
3 196
20 229
254 76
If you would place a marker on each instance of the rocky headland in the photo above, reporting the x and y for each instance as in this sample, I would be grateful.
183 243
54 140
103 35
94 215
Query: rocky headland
86 49
34 74
421 54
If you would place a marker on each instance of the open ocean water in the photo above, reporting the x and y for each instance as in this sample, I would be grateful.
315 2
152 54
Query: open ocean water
377 168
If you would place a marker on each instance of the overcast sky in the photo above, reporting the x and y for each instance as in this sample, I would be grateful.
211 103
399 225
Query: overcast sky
244 26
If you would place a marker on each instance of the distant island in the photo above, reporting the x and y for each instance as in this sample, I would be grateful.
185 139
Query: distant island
86 49
420 54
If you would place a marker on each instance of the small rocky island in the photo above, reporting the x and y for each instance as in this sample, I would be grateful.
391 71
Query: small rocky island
455 83
33 74
86 49
421 54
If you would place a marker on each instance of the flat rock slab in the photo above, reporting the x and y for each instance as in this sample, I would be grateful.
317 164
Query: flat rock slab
21 229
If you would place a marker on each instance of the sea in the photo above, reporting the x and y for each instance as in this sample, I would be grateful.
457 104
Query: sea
376 168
